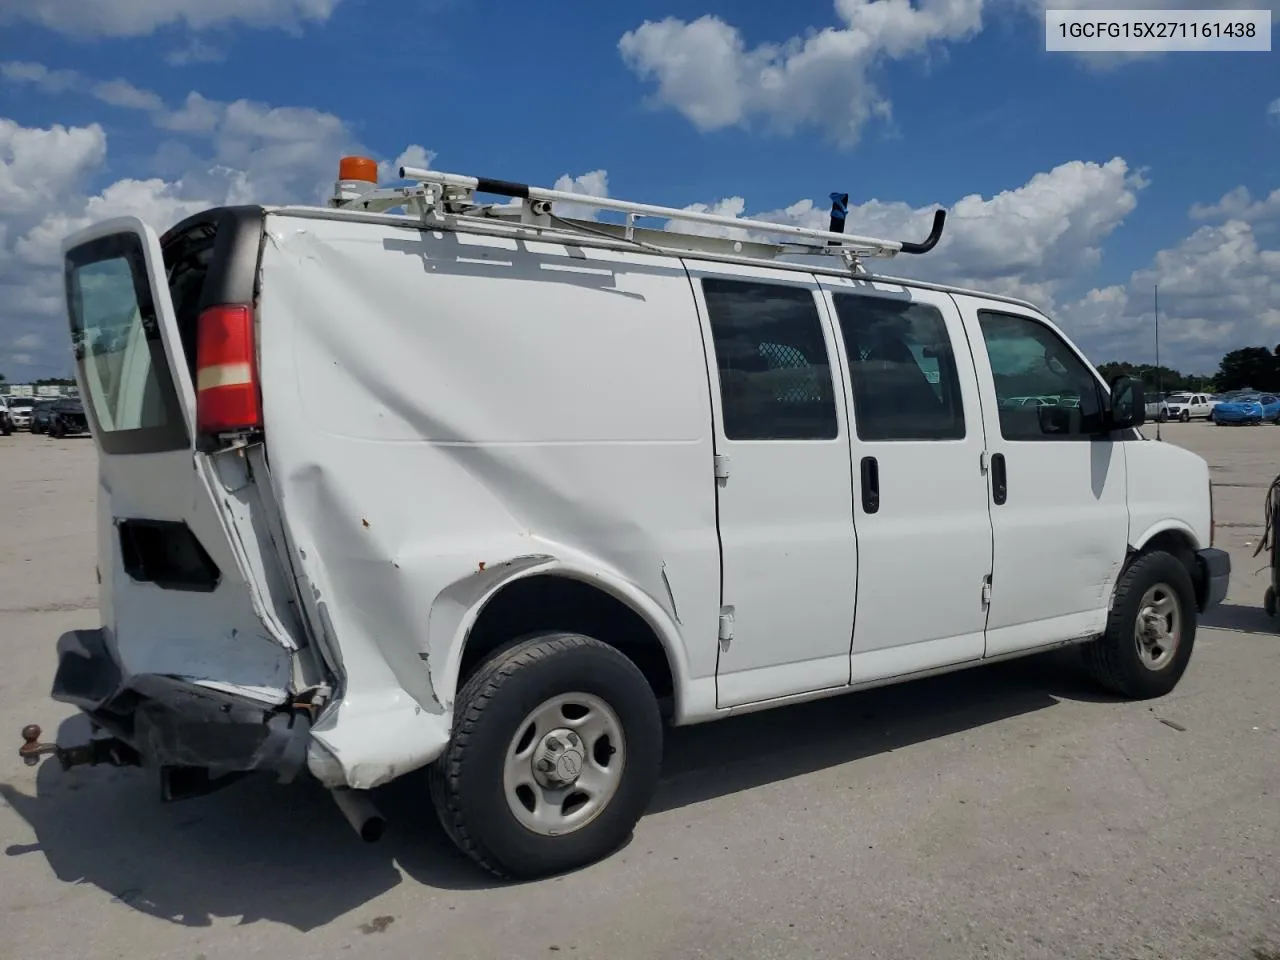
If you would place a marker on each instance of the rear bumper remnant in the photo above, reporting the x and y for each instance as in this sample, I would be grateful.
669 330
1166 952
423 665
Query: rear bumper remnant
195 733
1214 568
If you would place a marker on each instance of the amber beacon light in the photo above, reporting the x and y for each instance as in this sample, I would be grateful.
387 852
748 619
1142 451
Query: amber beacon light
358 168
357 176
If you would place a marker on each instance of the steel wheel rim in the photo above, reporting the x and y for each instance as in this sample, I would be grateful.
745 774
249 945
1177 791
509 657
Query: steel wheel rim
1158 630
564 764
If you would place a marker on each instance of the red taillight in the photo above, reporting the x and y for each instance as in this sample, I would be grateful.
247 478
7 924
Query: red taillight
226 374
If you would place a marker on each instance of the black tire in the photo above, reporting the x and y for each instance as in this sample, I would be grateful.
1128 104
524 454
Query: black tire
1269 601
1114 660
467 781
1185 416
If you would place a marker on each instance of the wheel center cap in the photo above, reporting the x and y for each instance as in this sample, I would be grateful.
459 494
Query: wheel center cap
569 765
558 760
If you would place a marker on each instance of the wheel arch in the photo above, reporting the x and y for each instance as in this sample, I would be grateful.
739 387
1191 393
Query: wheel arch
1166 534
1174 537
544 593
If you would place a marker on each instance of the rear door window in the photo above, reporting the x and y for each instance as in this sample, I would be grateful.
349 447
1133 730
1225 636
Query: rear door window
115 334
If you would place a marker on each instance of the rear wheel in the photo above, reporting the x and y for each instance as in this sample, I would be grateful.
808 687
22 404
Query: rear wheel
555 752
1150 632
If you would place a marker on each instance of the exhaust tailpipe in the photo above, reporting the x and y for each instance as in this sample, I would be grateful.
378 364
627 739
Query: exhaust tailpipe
360 813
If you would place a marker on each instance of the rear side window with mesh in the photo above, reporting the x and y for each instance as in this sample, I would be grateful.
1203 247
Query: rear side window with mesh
775 373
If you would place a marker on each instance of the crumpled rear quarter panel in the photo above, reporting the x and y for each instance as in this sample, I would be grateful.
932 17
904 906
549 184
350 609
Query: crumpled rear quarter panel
439 404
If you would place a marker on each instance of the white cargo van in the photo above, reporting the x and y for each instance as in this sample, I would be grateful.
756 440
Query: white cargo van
415 481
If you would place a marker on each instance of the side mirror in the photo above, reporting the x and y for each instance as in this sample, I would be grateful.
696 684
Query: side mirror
1128 404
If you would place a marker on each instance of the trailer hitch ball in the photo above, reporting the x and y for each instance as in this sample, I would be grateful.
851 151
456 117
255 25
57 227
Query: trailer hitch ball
32 749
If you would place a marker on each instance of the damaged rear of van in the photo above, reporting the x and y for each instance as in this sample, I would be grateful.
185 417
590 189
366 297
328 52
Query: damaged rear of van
316 512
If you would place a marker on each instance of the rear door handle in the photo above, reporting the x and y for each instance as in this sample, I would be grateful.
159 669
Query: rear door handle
999 479
870 484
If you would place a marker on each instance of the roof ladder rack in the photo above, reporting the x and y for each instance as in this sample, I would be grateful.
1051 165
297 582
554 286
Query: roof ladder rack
436 192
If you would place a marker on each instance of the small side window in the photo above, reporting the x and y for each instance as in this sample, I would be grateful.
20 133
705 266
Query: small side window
775 374
903 370
1044 391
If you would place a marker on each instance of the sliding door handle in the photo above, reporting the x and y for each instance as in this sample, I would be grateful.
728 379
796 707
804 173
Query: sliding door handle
870 484
999 479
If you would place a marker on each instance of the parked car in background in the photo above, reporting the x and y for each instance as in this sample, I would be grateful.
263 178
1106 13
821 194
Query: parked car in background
6 424
67 418
1156 406
1251 408
42 416
20 412
1190 406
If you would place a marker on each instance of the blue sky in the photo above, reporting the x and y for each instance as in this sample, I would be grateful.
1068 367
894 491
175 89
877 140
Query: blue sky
1078 176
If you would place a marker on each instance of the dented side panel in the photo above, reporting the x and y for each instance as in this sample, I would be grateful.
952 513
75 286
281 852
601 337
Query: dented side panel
445 413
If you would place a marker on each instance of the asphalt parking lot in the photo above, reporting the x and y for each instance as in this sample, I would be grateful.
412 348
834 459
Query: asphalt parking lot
1008 811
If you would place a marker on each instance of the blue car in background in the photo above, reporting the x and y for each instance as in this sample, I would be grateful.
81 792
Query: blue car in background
1251 408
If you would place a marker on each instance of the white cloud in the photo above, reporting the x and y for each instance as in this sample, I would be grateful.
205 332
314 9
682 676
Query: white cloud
136 18
42 171
49 81
705 70
39 167
121 93
1219 290
116 93
1239 204
197 51
593 184
238 152
157 202
414 155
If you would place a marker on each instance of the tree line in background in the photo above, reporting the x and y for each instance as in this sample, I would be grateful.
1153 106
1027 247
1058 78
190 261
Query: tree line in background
1255 368
46 381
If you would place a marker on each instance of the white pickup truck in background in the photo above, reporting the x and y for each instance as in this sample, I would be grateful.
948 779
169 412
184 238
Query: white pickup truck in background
1189 406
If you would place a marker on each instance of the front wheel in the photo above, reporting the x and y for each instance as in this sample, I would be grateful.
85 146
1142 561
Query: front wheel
555 753
1185 416
1150 631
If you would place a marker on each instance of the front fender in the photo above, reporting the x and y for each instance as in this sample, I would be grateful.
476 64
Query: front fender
458 606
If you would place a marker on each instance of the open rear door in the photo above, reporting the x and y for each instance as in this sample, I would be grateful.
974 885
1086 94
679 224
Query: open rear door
183 594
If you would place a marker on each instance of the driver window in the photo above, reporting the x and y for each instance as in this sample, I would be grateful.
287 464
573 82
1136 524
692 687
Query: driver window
1043 390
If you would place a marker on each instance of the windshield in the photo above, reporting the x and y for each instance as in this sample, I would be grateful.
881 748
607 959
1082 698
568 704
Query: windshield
1180 398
